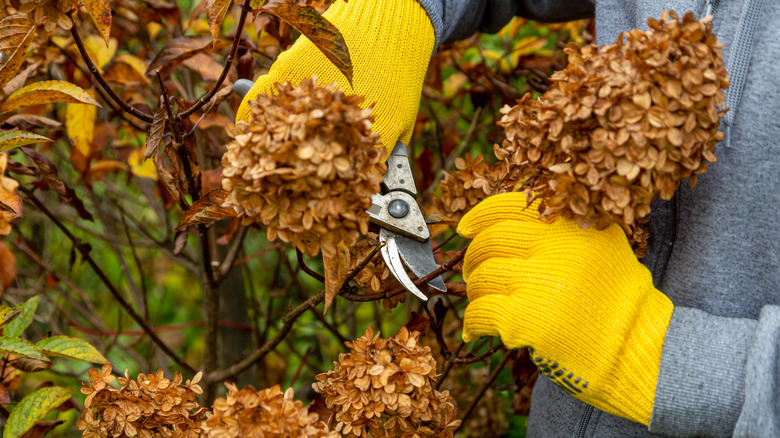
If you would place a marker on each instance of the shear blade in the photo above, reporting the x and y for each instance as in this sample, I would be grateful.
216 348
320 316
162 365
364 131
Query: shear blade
390 254
418 256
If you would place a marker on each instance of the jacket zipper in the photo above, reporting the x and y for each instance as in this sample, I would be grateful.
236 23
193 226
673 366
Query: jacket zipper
585 421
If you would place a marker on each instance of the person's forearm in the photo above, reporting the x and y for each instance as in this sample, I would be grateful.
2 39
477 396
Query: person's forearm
458 19
719 376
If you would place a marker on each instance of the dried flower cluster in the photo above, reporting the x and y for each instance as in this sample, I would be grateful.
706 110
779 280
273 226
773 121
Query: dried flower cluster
622 124
10 202
475 180
305 166
637 236
150 406
384 387
48 13
268 413
375 276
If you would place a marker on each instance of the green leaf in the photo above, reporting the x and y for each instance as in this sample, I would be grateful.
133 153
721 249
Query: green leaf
71 348
39 93
7 314
33 408
20 347
14 139
17 327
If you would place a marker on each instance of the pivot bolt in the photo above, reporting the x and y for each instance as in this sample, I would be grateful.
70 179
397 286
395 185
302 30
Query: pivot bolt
398 208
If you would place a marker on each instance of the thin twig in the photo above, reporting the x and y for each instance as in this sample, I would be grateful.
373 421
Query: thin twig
458 150
289 320
487 385
300 366
481 357
96 74
260 253
398 291
84 251
306 269
228 63
106 99
230 258
448 365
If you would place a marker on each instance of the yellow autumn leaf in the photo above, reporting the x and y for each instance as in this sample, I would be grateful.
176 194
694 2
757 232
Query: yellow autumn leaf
140 167
528 46
510 30
154 29
100 53
80 125
497 57
39 93
454 83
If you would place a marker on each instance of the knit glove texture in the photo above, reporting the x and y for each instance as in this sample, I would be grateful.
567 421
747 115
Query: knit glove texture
390 43
578 298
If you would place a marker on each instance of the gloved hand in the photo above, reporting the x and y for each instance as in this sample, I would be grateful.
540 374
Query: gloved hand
390 43
578 298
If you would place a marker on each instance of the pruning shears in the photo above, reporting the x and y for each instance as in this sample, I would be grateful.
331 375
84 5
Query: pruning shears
404 235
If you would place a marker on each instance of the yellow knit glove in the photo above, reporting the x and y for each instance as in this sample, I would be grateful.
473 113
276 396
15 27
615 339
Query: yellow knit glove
390 43
578 298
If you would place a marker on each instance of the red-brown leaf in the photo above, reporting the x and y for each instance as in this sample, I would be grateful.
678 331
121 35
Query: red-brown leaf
206 210
100 11
179 49
319 30
52 178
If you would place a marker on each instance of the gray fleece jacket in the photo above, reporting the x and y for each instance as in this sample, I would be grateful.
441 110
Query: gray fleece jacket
714 250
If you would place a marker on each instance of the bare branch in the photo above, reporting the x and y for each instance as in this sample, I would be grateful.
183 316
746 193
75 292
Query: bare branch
84 251
228 63
487 385
101 80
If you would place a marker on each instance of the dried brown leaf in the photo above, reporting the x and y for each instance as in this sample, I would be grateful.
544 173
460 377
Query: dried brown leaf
206 210
216 10
155 134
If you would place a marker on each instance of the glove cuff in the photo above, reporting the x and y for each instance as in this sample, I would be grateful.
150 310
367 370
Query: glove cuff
636 370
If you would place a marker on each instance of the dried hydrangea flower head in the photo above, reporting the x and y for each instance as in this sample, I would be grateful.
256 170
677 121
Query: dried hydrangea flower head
474 180
49 13
384 387
11 202
268 413
622 124
305 166
149 406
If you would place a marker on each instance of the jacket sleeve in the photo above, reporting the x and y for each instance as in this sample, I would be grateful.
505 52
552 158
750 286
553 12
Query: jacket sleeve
719 376
458 19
